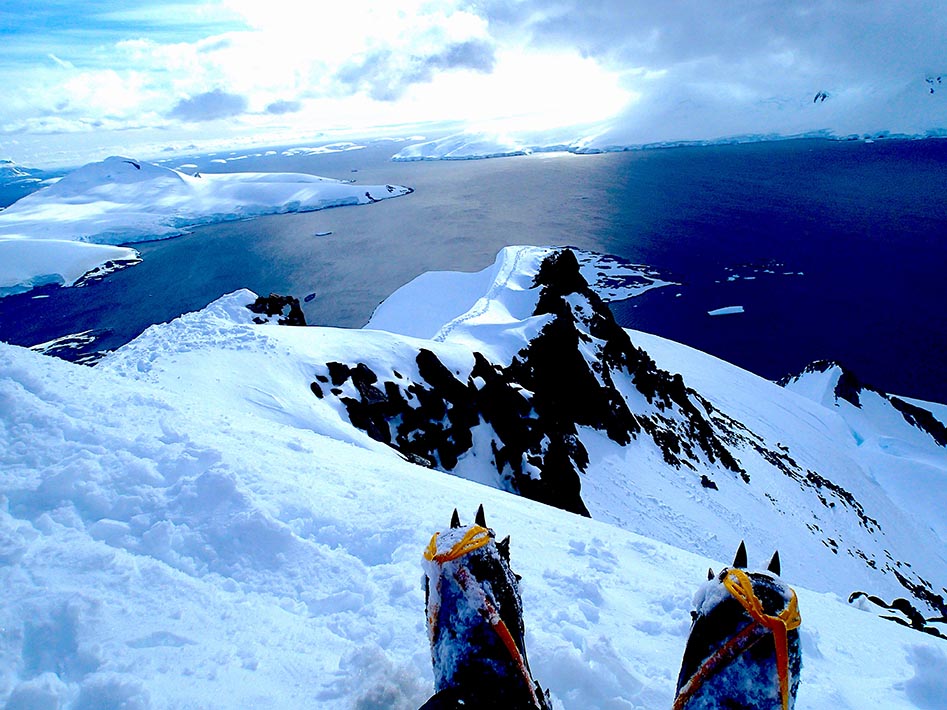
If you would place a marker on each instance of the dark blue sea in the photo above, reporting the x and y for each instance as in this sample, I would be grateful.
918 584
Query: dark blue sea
834 249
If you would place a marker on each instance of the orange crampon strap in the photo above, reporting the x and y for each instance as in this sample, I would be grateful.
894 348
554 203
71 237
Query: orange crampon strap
740 587
492 617
475 537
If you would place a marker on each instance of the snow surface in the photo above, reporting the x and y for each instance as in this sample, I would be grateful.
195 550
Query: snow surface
907 108
122 201
10 172
156 558
185 525
464 146
323 149
491 309
901 458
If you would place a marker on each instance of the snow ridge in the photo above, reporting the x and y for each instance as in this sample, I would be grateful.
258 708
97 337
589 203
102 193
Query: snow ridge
188 525
605 423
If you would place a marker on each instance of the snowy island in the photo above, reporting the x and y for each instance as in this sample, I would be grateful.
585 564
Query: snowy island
75 226
231 512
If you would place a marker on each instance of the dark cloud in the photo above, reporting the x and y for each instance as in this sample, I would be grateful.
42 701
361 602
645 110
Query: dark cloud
843 38
478 55
214 45
209 106
386 75
280 107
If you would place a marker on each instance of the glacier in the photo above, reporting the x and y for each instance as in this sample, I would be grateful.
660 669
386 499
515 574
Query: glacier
85 221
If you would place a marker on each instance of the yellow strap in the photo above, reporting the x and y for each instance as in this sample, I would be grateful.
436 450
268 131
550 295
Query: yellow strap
739 585
475 537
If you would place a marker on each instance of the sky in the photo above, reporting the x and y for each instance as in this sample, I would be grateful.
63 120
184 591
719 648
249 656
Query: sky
82 78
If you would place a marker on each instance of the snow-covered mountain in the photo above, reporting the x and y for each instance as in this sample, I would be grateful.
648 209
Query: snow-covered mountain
912 107
556 402
63 231
232 513
13 174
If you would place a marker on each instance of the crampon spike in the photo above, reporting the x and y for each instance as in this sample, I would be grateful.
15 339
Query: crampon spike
739 560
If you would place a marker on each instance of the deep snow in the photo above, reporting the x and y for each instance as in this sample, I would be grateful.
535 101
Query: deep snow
185 526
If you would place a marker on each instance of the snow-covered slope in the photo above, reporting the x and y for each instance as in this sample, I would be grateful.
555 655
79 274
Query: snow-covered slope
901 444
465 146
163 549
721 455
122 201
648 435
911 107
189 524
13 174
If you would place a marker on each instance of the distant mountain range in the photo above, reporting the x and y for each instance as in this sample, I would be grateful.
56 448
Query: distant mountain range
11 173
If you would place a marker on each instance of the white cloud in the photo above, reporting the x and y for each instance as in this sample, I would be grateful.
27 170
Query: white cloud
61 62
682 69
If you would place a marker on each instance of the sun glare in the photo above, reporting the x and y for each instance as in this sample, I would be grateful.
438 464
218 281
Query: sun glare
531 90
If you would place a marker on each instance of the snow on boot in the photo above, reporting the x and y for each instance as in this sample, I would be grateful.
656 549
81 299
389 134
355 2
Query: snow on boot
743 650
475 623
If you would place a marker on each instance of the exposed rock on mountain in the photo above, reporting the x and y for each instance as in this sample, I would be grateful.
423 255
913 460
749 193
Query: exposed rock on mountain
903 612
847 387
581 371
284 309
526 416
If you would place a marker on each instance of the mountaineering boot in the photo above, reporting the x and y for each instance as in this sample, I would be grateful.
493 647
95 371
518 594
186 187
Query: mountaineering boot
475 623
743 650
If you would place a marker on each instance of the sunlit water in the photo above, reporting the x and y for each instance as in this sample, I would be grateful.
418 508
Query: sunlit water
834 250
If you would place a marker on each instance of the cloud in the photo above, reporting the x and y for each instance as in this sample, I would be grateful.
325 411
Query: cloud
479 55
61 62
842 38
278 108
209 106
683 69
385 74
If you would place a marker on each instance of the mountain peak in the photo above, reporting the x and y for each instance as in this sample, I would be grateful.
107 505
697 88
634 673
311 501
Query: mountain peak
114 170
831 383
525 417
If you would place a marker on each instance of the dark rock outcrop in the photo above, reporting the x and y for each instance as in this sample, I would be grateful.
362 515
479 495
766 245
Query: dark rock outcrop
850 388
528 420
285 309
905 613
526 415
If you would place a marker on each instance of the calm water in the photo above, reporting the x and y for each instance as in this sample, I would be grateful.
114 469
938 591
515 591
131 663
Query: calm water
835 250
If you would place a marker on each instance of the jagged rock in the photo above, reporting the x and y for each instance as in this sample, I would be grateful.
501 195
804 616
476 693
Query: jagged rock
708 483
905 613
524 421
285 309
531 409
